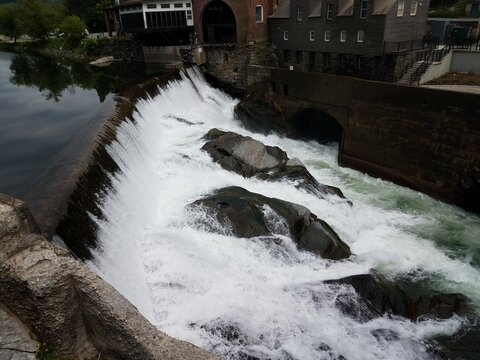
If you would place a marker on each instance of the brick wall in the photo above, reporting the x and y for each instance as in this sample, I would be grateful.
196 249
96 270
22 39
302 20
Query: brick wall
248 29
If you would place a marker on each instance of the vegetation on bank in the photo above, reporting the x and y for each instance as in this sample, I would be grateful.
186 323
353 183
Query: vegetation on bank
448 8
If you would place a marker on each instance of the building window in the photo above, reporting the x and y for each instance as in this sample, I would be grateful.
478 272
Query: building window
363 9
151 6
400 8
329 11
326 59
259 14
285 35
327 35
312 35
360 36
343 61
299 13
361 63
189 5
343 36
413 8
298 56
180 5
286 56
165 6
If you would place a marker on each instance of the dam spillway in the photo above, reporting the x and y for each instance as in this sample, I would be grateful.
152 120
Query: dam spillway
240 297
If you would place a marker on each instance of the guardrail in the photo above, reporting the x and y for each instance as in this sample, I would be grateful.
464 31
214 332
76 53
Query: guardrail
435 56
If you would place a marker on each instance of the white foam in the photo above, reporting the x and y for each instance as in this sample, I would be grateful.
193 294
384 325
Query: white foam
188 281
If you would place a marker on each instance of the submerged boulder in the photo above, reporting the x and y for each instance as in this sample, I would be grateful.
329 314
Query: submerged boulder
248 157
250 215
380 296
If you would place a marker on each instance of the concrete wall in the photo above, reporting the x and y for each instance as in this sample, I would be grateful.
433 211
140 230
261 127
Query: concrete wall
459 61
437 70
465 61
423 138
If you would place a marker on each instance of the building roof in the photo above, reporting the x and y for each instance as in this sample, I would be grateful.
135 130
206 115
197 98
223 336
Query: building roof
315 8
283 10
345 7
382 7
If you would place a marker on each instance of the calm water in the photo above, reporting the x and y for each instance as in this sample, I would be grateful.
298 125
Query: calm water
192 283
45 105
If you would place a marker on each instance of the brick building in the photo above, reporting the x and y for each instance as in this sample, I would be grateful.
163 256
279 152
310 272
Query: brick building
374 39
232 21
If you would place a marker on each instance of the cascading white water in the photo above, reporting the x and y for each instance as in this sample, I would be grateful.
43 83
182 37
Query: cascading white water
239 297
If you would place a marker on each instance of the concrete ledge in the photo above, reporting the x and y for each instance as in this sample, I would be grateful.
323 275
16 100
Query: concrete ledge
66 305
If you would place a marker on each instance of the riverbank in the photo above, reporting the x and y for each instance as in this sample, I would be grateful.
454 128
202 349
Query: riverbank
90 49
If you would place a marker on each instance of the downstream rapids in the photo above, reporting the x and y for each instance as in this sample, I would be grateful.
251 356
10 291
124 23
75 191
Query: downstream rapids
241 297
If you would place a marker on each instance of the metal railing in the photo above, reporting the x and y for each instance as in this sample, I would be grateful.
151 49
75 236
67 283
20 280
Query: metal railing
419 56
435 56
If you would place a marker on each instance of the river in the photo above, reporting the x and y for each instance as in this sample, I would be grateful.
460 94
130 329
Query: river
193 284
50 109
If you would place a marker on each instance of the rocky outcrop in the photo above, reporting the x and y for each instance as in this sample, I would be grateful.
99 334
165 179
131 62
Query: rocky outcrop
379 296
250 215
66 305
15 340
249 158
103 61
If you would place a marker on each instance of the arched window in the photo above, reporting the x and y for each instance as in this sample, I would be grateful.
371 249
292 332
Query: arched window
219 24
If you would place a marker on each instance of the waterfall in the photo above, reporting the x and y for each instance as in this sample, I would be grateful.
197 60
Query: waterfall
247 297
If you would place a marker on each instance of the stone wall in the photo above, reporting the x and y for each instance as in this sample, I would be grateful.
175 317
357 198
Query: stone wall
67 306
423 138
229 63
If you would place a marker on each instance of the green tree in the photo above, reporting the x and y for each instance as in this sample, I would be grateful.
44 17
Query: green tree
11 23
74 30
90 11
39 19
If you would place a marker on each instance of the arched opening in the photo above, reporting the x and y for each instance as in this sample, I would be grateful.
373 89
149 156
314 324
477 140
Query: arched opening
313 124
219 24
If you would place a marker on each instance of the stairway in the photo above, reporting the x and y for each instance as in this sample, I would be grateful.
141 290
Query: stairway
405 79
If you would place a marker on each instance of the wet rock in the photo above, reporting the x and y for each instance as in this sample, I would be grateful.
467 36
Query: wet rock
246 214
248 157
382 296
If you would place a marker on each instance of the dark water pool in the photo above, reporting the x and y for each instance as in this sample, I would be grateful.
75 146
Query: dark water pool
45 106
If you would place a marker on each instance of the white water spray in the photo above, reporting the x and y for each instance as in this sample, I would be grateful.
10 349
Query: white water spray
239 297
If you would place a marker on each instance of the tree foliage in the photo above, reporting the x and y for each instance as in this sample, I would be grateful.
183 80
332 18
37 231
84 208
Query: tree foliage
40 20
90 11
73 29
11 23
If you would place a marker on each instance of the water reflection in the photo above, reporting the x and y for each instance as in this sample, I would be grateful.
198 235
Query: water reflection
47 106
54 78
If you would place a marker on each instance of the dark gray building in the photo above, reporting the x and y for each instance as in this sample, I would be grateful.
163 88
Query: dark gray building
374 39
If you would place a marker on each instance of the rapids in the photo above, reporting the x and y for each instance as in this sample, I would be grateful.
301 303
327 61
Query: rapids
246 297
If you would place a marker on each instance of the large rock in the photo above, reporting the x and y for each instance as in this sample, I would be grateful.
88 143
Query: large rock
248 157
250 215
380 296
66 306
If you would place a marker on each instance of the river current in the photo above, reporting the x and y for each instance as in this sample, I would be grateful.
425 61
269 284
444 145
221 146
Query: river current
243 297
